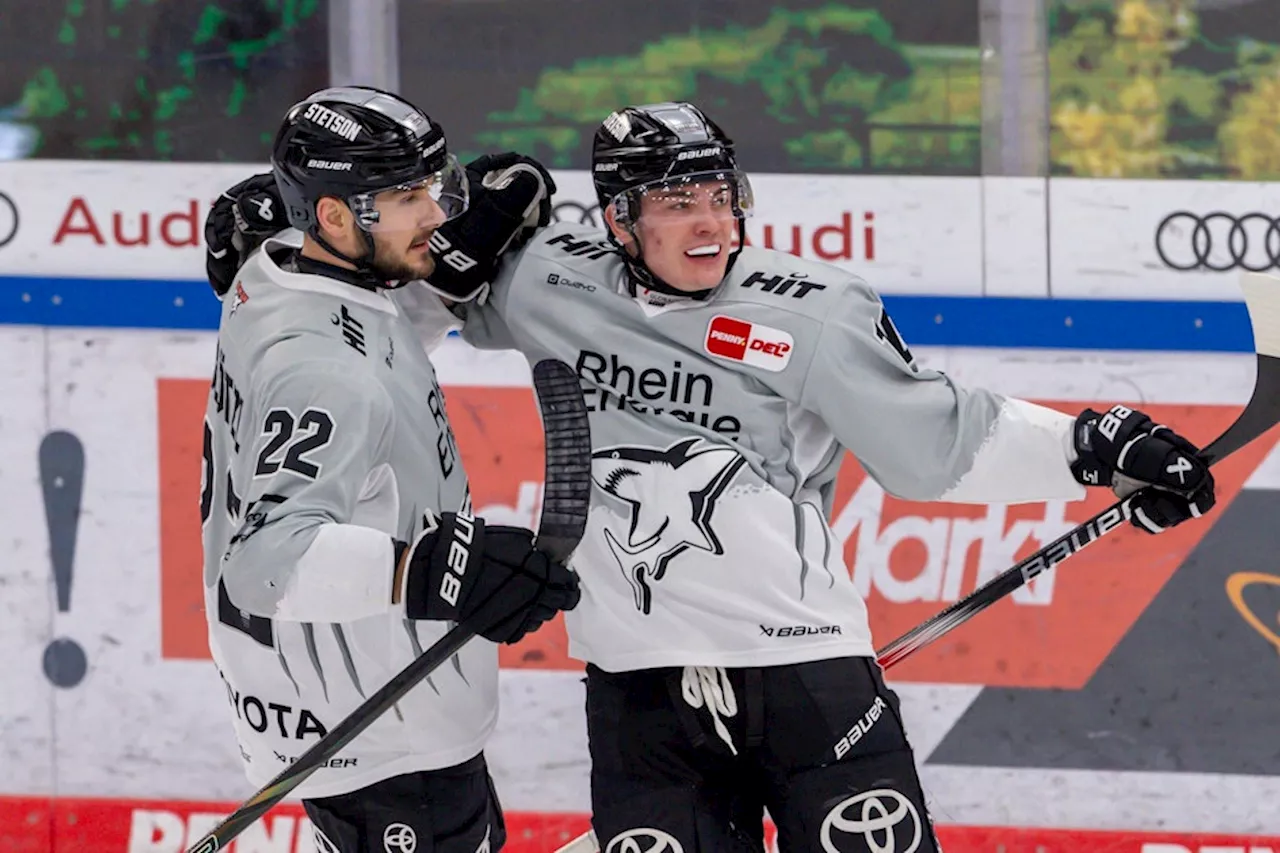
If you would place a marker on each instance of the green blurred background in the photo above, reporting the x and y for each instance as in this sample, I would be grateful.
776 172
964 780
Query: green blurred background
1165 88
1137 88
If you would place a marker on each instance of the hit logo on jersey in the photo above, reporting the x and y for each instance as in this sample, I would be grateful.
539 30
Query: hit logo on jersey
750 343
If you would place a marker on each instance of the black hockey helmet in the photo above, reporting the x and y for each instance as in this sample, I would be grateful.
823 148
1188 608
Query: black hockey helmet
353 142
659 147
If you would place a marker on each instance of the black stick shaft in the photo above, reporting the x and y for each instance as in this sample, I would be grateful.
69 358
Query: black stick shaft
1260 414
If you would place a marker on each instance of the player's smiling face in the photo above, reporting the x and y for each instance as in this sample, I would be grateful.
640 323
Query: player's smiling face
686 233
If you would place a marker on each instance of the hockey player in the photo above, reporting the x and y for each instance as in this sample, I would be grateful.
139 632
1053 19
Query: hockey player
730 666
338 539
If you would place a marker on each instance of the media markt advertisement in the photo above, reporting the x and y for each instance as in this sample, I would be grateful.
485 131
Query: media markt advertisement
1130 691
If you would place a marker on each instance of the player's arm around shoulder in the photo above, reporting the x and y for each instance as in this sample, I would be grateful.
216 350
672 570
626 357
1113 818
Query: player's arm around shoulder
319 445
493 319
482 320
919 433
476 254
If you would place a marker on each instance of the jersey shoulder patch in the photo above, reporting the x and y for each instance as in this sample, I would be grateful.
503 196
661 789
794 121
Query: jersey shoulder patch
581 248
787 282
318 315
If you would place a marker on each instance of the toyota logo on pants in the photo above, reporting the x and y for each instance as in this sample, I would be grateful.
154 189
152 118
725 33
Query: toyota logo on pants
885 819
399 838
644 839
1218 241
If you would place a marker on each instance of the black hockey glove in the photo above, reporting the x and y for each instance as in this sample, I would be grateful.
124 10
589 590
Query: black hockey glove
460 569
1125 450
239 221
510 198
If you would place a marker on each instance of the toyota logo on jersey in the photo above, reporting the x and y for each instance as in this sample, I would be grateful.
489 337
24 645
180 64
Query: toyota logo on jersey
750 343
644 840
886 821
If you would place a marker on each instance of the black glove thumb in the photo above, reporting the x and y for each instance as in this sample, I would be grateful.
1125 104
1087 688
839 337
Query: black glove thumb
487 163
516 193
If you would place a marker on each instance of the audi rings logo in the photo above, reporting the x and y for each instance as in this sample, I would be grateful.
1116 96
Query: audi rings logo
644 840
886 820
1219 241
399 838
577 213
8 220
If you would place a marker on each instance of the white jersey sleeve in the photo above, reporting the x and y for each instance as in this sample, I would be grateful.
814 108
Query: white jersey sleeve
921 435
320 448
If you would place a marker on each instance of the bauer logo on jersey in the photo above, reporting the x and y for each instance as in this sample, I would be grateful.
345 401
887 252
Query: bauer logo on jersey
750 343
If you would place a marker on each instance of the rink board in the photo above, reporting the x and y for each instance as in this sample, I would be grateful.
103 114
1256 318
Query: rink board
1130 690
960 237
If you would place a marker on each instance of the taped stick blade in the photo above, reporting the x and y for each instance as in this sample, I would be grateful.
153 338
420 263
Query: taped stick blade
566 495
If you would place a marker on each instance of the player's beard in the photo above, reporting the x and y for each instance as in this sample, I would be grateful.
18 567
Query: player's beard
394 265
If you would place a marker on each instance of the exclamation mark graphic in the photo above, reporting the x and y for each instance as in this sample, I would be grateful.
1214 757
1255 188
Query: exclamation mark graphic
62 478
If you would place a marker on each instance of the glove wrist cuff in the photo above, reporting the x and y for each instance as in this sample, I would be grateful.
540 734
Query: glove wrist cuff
479 294
1087 468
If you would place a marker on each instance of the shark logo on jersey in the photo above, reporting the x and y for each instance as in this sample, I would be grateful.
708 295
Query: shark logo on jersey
671 498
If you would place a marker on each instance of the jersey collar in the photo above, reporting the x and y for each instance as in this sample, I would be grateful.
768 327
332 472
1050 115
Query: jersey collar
655 302
375 300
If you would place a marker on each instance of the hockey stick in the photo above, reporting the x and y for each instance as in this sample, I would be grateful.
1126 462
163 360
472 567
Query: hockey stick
1261 413
563 520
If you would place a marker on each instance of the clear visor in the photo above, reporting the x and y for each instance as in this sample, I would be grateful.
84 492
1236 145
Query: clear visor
416 206
719 195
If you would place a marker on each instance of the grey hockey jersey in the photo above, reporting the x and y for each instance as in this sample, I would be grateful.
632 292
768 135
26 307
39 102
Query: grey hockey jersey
325 436
718 427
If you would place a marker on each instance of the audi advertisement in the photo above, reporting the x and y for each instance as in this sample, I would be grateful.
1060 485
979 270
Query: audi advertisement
951 236
1160 240
145 221
1219 241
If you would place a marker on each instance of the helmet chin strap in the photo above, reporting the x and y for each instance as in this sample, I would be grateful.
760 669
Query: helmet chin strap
363 264
640 275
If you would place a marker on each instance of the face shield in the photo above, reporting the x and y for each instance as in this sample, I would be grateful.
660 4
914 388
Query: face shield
416 206
711 197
